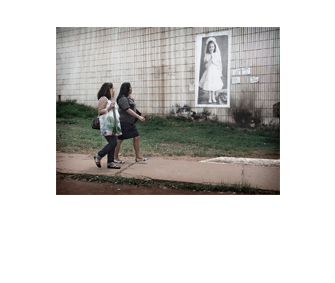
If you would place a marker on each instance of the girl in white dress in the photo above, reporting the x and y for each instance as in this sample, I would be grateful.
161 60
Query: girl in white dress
211 79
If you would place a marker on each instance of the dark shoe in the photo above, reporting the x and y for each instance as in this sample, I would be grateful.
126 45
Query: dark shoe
97 163
114 167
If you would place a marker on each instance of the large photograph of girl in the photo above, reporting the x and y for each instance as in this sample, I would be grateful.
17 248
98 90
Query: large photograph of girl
212 75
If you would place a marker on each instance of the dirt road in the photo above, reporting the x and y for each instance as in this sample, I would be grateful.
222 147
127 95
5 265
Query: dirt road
66 186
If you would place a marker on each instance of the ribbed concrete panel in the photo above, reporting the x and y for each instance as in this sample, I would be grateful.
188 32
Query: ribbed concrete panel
160 62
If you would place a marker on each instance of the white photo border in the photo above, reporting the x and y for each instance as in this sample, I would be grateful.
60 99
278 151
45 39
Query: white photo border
198 51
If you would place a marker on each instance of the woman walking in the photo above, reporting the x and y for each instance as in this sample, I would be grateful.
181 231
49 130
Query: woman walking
128 116
105 94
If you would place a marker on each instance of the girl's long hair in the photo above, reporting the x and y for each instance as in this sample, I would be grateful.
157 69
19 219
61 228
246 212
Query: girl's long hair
207 49
124 91
105 91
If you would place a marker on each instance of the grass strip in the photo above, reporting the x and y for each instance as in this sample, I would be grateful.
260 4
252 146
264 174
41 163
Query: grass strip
238 188
165 136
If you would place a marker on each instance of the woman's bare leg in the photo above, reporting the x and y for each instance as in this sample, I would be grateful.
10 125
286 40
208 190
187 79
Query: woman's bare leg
117 149
136 143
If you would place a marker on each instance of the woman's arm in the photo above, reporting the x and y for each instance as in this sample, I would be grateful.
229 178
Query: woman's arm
208 64
214 60
102 106
208 61
132 113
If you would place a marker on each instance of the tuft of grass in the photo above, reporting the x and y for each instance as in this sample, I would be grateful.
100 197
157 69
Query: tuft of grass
70 109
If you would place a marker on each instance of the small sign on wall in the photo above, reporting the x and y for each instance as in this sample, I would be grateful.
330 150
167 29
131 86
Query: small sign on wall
254 79
191 86
237 72
236 80
246 71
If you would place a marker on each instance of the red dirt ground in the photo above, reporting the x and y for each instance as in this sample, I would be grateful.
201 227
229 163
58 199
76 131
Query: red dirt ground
66 186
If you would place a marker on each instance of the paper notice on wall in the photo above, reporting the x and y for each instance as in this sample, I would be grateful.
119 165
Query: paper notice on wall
246 71
237 72
235 80
191 87
254 79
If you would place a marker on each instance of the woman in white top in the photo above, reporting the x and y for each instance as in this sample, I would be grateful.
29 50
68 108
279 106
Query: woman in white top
105 94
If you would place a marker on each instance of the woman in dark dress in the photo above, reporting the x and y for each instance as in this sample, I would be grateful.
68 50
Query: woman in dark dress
128 116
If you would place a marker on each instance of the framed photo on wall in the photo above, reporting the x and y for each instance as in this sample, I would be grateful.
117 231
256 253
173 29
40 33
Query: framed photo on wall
212 69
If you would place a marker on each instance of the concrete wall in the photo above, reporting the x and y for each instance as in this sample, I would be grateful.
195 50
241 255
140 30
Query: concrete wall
160 64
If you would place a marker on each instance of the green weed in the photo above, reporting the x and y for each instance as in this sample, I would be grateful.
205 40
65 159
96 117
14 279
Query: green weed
71 109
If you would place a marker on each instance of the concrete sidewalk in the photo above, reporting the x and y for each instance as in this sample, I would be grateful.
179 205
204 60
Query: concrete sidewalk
264 174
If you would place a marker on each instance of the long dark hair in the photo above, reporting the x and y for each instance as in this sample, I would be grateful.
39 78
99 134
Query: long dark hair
105 91
124 91
207 50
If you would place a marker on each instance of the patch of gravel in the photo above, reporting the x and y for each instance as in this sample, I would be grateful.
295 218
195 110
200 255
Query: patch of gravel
245 161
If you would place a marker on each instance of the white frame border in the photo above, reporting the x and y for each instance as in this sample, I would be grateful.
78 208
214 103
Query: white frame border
198 45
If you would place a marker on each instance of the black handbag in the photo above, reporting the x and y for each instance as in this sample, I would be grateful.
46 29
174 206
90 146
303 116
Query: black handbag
96 124
139 113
